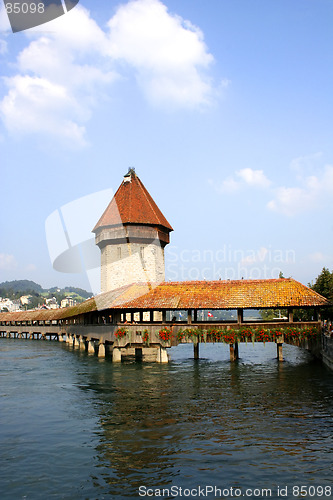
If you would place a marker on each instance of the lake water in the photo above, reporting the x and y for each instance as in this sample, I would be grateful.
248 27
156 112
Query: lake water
73 426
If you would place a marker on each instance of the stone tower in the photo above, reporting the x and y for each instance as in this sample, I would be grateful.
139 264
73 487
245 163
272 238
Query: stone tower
131 235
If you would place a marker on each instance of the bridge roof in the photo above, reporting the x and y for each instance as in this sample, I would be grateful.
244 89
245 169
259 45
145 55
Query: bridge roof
222 294
132 204
103 301
229 294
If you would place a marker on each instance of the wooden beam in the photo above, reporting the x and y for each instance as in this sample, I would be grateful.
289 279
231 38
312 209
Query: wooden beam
279 351
236 351
239 316
232 352
290 315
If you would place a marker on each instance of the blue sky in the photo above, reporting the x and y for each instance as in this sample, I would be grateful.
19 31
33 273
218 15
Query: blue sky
224 107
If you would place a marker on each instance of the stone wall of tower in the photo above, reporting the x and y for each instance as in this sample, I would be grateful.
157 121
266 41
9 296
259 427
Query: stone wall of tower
128 263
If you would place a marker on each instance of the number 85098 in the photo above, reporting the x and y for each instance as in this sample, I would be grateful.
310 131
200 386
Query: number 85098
25 8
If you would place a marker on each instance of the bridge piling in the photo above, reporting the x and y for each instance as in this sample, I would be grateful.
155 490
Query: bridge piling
236 350
233 351
116 355
82 343
101 350
138 354
91 347
279 350
162 355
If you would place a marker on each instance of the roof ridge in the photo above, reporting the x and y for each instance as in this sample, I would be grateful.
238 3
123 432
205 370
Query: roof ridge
113 200
250 280
147 197
132 204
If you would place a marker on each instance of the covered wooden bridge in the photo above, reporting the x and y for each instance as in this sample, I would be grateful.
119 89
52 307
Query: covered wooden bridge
146 319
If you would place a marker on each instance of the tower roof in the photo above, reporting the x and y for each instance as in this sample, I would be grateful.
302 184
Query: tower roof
132 204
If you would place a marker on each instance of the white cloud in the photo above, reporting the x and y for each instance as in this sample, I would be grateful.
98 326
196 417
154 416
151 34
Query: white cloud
50 59
306 165
255 178
310 192
228 185
76 31
318 257
310 195
247 177
62 72
38 105
30 268
4 26
4 21
7 262
58 79
3 46
167 53
255 256
291 201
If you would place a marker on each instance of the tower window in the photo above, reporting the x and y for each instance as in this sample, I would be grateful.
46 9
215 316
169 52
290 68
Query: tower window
142 252
119 252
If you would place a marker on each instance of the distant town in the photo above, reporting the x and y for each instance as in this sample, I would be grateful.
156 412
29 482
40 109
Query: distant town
21 295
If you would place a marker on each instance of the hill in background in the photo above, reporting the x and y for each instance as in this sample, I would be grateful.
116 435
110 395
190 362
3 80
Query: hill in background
15 289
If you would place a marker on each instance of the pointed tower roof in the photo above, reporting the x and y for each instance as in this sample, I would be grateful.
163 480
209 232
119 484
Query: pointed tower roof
132 204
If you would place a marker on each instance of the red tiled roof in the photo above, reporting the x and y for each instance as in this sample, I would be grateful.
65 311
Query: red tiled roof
229 294
132 204
222 294
106 300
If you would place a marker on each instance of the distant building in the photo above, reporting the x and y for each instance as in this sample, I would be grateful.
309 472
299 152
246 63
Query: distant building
68 302
10 305
131 235
25 300
52 303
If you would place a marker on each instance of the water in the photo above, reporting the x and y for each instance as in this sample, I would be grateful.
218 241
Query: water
74 427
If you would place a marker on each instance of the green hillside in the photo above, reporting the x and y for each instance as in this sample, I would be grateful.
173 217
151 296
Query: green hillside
15 289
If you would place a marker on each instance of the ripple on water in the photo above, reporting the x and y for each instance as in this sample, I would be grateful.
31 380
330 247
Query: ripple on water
76 428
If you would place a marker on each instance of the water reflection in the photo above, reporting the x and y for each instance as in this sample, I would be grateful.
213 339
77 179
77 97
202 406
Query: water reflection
78 428
211 422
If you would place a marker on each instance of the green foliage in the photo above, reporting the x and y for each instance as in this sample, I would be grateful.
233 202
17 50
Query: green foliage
20 286
70 290
324 286
271 314
15 289
145 337
121 332
35 301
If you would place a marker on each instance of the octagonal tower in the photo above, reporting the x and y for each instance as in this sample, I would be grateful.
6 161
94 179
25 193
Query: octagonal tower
131 235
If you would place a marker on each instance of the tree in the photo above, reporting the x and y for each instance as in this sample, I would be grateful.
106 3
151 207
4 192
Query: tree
324 286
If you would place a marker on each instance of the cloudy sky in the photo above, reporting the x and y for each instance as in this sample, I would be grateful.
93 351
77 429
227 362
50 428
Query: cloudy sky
224 108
